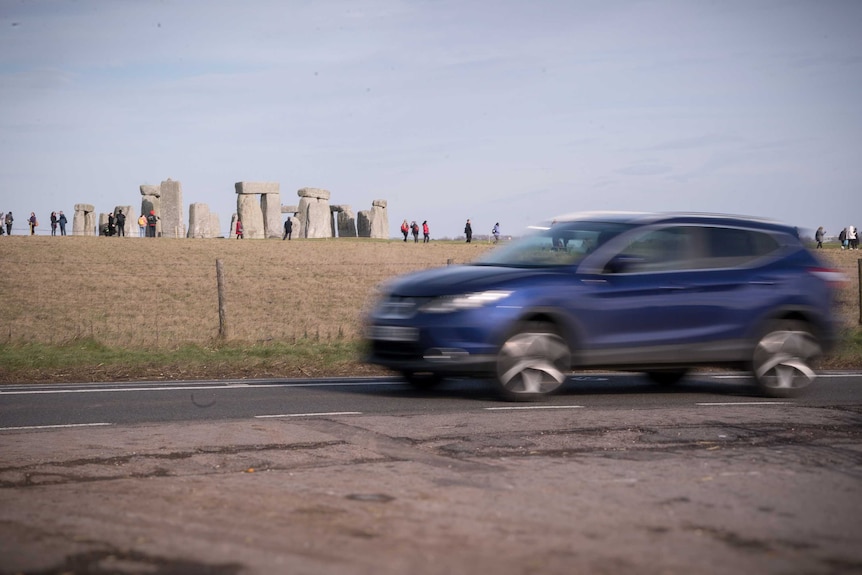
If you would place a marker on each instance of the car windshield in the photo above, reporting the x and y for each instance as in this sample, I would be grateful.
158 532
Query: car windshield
554 244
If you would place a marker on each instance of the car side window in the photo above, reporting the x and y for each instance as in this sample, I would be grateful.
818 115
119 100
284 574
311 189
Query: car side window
733 247
663 249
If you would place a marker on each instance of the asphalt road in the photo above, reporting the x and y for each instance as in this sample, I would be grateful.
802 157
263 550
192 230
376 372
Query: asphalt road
614 475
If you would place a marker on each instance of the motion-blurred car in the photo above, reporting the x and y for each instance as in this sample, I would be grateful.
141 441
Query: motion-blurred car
654 293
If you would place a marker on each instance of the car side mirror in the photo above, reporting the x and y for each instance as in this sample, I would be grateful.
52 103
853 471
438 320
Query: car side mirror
622 263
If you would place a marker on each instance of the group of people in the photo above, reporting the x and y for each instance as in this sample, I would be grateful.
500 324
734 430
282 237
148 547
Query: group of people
57 220
849 238
413 228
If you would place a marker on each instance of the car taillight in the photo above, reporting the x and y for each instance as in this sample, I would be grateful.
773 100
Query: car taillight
834 278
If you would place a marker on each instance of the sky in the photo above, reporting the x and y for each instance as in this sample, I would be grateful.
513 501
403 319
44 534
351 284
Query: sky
498 111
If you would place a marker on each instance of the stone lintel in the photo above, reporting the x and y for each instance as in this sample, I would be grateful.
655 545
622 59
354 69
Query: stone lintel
85 208
257 188
313 193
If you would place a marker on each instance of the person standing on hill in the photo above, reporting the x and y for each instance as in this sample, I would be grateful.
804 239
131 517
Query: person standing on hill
239 230
818 237
288 229
426 235
496 232
468 231
9 219
53 223
62 221
2 227
414 227
405 229
121 223
142 225
152 220
33 223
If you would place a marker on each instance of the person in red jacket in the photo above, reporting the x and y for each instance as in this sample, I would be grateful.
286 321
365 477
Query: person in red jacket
426 235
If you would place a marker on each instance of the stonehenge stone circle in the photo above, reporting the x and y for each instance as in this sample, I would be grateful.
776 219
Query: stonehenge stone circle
84 220
151 202
261 216
315 217
172 209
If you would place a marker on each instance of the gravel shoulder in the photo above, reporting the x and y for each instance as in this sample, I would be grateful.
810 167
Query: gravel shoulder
743 489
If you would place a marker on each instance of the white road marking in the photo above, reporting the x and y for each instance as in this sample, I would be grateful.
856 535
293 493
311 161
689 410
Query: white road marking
54 426
734 403
218 387
310 414
525 407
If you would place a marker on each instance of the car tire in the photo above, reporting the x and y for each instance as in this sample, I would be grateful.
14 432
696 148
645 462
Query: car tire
784 359
532 362
667 377
422 379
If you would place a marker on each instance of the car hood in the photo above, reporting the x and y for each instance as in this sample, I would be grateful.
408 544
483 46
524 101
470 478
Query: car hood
459 279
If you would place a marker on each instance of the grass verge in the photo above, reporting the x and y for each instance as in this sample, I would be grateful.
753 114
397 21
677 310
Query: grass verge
87 360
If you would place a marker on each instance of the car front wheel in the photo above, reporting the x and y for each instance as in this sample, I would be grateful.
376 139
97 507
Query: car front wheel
784 357
532 363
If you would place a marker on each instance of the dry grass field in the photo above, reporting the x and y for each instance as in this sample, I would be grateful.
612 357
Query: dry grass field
153 295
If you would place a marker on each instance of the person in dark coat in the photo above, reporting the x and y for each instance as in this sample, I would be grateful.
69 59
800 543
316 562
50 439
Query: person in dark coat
62 221
152 220
53 223
121 223
288 229
468 231
414 227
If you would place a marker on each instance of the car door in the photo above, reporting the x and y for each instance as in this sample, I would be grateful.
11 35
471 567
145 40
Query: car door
661 298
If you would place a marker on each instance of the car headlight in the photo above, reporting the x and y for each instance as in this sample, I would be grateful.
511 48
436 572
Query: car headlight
459 302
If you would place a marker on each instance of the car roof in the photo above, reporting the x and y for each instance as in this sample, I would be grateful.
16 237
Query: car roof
643 218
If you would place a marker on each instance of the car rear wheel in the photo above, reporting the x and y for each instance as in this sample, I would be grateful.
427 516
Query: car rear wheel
532 363
422 379
784 358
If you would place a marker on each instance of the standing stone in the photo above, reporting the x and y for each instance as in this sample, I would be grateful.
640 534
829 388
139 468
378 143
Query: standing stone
84 220
315 217
103 224
172 209
151 202
199 220
343 222
131 221
379 219
202 222
270 205
215 226
374 223
249 212
363 223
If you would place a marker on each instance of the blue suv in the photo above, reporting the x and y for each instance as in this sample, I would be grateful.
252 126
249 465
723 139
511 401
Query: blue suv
654 293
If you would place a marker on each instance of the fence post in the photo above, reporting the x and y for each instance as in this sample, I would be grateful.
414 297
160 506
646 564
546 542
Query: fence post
222 315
